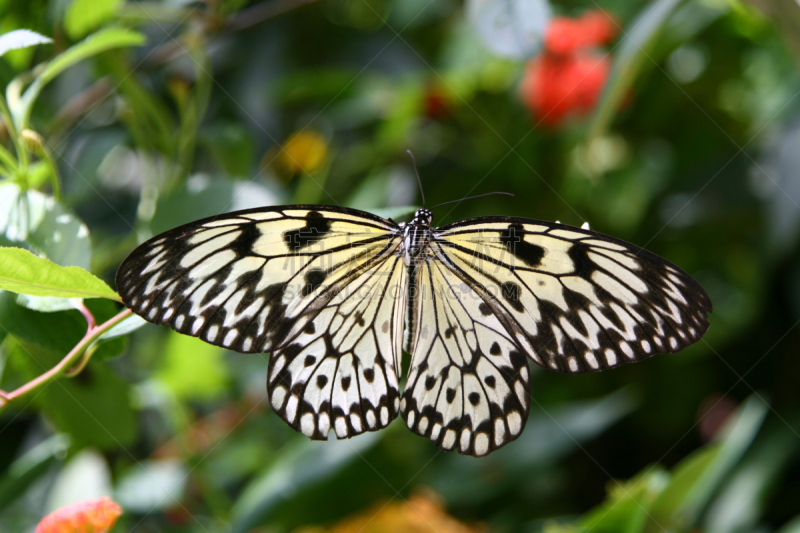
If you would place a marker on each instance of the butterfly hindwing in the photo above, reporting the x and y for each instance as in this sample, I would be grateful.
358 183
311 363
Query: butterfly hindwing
579 300
341 371
468 385
243 280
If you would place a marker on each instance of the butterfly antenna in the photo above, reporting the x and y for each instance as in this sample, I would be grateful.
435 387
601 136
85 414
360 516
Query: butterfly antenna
421 192
472 197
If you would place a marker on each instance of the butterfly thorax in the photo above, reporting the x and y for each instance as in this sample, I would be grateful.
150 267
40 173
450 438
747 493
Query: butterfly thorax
416 236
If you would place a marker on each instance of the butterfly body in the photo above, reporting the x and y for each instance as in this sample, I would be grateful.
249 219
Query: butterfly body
336 295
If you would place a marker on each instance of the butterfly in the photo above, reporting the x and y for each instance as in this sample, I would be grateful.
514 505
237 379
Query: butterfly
336 295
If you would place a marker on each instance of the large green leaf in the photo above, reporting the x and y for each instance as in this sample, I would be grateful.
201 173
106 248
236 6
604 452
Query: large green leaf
23 272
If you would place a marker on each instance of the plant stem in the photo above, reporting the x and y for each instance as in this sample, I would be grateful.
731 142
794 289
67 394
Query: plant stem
55 180
22 155
92 333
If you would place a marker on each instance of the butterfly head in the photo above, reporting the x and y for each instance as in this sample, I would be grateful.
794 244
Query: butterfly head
422 217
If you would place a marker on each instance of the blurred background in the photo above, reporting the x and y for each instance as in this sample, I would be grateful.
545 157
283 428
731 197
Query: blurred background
674 125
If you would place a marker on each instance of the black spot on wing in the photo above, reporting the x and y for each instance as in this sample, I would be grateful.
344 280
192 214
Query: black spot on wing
369 375
513 239
450 395
510 291
245 242
316 227
430 381
313 279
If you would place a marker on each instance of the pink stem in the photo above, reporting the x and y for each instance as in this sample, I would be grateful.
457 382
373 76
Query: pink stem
91 334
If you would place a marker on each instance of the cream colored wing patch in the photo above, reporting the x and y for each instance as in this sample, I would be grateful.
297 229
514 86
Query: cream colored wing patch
578 300
340 371
246 280
468 386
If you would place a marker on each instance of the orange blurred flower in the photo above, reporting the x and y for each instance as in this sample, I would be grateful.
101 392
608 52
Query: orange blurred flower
421 512
569 75
88 516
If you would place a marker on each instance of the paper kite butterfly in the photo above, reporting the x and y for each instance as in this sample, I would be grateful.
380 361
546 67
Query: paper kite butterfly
336 295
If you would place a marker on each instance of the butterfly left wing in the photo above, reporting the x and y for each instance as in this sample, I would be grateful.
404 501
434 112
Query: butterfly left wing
467 387
248 280
576 300
322 288
341 370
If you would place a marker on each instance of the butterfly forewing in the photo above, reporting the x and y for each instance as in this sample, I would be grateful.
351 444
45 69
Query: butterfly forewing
580 301
247 279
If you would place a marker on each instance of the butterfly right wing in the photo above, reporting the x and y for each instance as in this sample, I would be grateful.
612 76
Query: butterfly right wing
468 385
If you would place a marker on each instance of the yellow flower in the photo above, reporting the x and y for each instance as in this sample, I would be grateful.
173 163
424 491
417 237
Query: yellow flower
304 151
88 516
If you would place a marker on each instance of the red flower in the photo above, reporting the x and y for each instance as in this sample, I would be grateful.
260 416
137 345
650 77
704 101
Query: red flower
88 516
568 76
437 102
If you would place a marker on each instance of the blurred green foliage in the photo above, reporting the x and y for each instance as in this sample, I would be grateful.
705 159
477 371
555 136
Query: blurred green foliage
130 118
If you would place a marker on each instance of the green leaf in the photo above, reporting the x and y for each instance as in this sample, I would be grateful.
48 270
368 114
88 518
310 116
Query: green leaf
23 272
14 40
193 369
32 220
666 510
632 52
626 508
697 477
31 466
297 468
94 44
740 504
45 304
84 16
